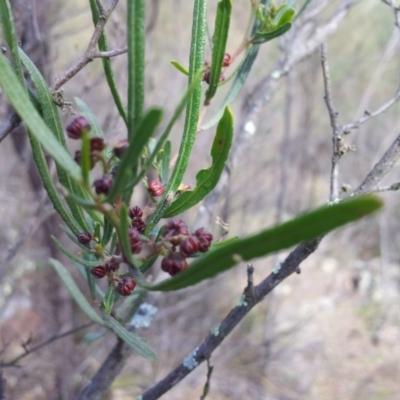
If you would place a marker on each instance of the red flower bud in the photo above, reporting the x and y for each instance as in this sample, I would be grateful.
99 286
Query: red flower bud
135 241
174 263
97 144
174 231
138 224
84 237
99 272
120 147
125 286
156 188
205 239
103 185
111 265
189 246
76 128
206 76
135 212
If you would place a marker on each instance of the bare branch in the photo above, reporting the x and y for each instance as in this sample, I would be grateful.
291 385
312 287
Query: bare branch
110 53
90 51
12 122
210 369
368 115
336 131
27 352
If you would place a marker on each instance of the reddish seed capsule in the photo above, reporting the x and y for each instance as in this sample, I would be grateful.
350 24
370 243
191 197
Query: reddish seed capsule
174 231
76 128
135 241
189 246
103 185
227 60
135 212
138 224
205 239
84 237
156 188
111 265
97 144
99 272
120 147
125 286
174 263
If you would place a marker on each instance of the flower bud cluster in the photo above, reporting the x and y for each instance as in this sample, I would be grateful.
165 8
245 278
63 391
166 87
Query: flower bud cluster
176 233
136 214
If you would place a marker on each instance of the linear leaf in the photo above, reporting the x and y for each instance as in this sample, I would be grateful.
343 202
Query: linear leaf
75 292
130 338
74 257
18 97
108 71
109 299
221 30
304 227
196 62
164 171
266 37
136 60
7 24
180 67
51 118
130 159
207 179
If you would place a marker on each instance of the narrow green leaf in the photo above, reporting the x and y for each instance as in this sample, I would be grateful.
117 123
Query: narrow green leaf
85 159
266 37
196 63
18 97
221 30
164 171
136 65
167 131
286 17
207 179
109 299
130 338
102 43
7 24
241 76
130 159
75 292
51 118
180 67
304 227
107 232
74 257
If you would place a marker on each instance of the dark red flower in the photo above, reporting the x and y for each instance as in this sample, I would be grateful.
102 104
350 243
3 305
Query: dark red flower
111 265
156 188
120 147
84 237
99 272
103 185
227 60
135 211
125 286
174 263
174 231
135 240
205 239
138 224
76 128
97 144
189 246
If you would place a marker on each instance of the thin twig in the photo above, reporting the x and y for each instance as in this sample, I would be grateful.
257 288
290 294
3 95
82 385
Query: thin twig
13 362
12 122
89 53
347 128
389 188
206 389
336 132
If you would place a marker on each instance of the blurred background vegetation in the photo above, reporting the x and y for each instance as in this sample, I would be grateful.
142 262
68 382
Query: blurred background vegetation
331 332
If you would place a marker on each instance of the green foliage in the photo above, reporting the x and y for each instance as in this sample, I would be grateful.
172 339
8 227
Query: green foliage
104 213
